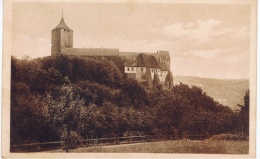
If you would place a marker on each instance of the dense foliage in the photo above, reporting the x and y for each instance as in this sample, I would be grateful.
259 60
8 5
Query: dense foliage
55 97
242 120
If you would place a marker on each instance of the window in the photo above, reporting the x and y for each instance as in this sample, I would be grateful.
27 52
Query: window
132 69
128 69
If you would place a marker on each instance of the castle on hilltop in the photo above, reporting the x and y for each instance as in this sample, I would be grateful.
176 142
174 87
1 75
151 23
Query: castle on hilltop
143 67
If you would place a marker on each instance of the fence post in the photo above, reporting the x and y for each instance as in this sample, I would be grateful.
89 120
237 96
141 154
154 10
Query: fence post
118 140
38 146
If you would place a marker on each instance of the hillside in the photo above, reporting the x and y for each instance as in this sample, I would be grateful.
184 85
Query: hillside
228 92
87 98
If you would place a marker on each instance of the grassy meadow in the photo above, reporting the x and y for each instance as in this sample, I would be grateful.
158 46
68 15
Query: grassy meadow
179 146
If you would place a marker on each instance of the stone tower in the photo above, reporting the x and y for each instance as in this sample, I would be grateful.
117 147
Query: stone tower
61 37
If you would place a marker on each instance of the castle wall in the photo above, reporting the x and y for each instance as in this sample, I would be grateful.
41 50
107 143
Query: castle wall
162 76
61 39
66 38
140 73
161 73
55 42
153 70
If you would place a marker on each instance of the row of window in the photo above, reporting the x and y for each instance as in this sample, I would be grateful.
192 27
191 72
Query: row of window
64 30
128 69
142 69
133 68
157 71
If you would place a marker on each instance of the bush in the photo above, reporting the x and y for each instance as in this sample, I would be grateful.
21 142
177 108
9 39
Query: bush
228 137
73 141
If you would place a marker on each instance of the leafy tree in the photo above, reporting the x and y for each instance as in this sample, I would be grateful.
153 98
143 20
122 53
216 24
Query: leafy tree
65 112
243 116
169 80
148 79
189 111
28 117
156 82
135 92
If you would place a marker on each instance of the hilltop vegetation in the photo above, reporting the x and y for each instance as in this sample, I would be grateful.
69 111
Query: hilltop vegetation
54 98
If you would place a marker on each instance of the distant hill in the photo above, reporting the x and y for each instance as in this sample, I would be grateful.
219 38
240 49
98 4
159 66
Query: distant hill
228 92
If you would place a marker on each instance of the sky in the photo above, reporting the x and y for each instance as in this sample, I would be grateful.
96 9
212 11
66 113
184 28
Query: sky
204 40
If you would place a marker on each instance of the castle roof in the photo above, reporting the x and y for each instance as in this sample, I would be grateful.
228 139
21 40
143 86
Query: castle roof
161 54
90 52
62 25
144 60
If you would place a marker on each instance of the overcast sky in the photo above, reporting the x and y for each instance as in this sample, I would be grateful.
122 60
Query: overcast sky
204 40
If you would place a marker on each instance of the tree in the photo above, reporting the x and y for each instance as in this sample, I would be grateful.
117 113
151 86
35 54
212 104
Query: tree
243 116
189 111
135 92
65 112
148 79
169 80
156 82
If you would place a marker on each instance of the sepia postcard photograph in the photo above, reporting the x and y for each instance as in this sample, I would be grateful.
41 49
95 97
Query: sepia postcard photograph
129 79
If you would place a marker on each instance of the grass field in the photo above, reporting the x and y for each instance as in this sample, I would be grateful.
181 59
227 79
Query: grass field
179 146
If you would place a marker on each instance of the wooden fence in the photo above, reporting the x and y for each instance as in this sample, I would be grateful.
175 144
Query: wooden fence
34 147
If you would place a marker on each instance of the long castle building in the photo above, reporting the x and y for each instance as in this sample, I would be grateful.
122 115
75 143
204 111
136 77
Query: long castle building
137 65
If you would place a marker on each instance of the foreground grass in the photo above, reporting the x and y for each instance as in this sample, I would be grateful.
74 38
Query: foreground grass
179 146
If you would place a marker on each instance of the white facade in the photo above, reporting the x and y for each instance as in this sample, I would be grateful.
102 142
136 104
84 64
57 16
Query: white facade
130 69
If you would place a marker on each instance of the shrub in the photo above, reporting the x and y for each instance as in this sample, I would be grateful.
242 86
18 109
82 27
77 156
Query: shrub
73 141
228 137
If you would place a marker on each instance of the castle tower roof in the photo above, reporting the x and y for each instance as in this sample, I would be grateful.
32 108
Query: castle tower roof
62 25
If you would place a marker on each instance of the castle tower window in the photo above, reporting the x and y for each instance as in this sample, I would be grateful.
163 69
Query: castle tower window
128 69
